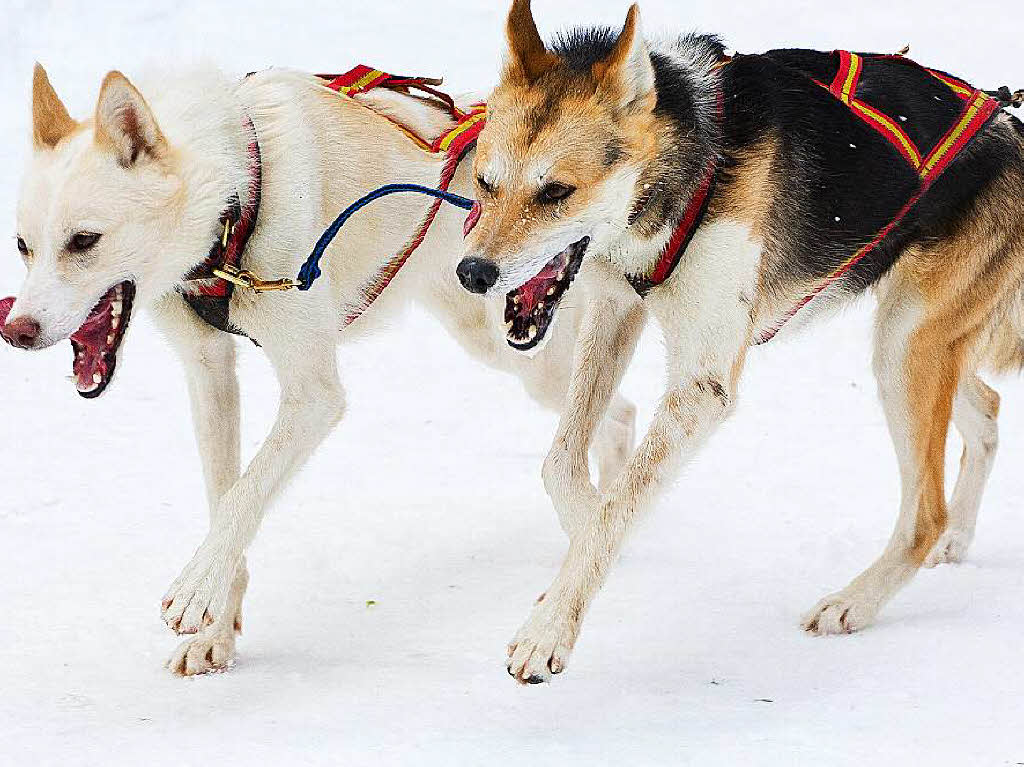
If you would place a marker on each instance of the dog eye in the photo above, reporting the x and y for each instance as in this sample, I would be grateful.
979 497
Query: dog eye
482 182
555 192
22 247
83 241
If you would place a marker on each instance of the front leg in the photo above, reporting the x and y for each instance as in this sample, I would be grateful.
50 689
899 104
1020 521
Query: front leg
311 404
609 332
705 314
208 357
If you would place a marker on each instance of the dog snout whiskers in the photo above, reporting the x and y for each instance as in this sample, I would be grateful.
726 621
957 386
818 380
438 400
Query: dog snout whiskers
21 332
477 275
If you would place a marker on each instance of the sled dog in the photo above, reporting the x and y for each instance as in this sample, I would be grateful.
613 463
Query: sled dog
719 195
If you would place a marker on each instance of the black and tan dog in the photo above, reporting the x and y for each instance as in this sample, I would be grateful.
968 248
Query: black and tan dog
720 195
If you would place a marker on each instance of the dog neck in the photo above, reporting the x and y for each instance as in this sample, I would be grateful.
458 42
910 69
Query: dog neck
688 83
207 127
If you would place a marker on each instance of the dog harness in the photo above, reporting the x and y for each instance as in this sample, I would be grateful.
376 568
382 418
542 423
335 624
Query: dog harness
692 218
210 285
927 163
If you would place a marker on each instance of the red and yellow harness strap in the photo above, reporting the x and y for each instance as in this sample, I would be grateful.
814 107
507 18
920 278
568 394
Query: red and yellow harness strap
978 109
356 80
844 88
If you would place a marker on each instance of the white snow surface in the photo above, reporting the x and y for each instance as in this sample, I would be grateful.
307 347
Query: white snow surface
428 500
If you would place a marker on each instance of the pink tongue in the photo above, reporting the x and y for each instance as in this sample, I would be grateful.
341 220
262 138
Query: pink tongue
5 308
534 291
91 341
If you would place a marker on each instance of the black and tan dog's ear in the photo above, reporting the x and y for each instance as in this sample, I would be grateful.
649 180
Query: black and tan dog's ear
626 74
125 124
528 58
50 120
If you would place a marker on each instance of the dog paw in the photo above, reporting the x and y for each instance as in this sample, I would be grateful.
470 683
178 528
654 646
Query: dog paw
198 597
841 613
951 548
211 650
543 644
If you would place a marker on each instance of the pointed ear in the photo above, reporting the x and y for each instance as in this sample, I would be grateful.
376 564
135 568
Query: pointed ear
528 59
125 124
50 120
626 74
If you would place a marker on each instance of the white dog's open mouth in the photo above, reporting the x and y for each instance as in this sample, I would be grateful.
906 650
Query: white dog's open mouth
96 343
530 308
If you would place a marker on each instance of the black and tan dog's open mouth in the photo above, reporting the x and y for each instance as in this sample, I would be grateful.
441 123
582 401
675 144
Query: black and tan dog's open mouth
530 308
96 343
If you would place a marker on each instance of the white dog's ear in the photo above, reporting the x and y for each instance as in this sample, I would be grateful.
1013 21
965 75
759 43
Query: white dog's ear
125 124
50 120
528 58
626 74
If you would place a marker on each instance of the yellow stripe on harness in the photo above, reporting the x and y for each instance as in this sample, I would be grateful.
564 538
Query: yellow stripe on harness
940 151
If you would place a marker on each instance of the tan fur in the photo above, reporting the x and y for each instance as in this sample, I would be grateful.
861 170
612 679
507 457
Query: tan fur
50 119
751 187
964 282
528 58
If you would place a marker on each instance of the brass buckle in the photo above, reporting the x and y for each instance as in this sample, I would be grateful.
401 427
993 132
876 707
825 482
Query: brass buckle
246 279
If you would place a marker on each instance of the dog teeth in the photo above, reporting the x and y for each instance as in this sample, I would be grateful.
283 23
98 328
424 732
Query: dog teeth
540 306
508 326
97 378
532 332
110 338
551 290
515 299
561 275
115 308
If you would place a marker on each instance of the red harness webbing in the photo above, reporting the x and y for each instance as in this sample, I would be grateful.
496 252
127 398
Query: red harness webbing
454 144
978 109
687 227
205 292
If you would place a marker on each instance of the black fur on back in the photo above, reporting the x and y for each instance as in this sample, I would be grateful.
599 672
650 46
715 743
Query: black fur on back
838 183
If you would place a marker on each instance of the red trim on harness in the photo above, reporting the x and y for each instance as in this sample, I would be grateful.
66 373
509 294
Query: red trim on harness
467 133
978 109
242 220
687 227
453 144
977 112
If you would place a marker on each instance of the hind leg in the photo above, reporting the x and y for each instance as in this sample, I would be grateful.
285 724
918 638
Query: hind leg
546 379
613 443
917 365
975 414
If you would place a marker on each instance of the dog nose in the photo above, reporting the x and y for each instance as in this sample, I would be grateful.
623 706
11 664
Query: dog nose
22 332
477 275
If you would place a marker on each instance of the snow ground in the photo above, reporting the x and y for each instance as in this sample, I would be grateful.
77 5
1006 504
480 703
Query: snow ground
428 501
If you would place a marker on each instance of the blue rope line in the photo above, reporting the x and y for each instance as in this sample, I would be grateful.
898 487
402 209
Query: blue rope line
311 269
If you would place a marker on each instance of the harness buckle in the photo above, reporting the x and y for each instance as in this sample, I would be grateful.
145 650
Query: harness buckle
245 279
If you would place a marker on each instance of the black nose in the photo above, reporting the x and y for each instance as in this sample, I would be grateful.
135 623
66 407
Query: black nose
477 275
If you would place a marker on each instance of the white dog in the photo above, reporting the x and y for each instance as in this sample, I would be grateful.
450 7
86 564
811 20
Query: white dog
120 208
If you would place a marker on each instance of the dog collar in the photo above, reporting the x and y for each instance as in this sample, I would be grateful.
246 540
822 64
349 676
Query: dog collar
212 282
692 218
